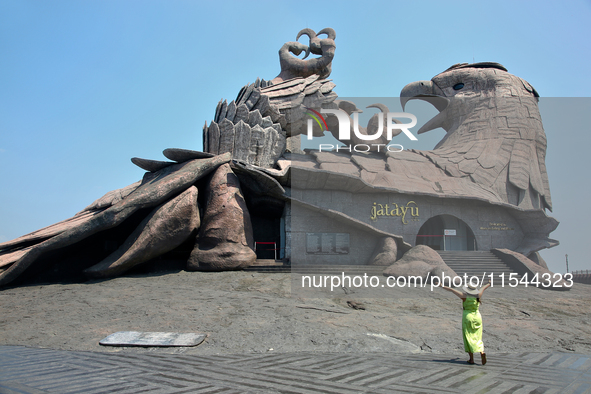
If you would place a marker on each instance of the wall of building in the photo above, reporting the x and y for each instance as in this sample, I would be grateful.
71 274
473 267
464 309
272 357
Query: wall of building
304 226
399 214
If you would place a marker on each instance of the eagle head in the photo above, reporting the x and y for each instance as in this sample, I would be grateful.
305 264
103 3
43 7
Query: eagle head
494 130
465 92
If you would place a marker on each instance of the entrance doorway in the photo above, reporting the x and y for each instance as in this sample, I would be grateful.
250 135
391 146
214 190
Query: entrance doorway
432 234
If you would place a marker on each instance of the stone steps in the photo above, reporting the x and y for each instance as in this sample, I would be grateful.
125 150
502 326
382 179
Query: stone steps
268 265
476 263
269 268
471 263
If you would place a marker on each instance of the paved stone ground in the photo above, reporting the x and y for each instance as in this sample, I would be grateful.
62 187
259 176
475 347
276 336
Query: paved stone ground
36 371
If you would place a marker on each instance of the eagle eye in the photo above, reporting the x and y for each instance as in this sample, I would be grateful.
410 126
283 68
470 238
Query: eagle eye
458 86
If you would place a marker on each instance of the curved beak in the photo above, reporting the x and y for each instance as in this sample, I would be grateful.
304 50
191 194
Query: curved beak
429 92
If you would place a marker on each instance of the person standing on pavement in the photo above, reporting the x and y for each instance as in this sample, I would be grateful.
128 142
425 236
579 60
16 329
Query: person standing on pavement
471 319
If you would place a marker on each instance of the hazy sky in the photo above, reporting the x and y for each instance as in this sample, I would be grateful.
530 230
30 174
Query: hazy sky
86 85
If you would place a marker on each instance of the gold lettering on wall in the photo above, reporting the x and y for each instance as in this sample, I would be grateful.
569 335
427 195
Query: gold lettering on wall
410 211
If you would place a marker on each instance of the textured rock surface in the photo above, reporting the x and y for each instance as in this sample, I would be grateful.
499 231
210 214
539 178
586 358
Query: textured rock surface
536 258
10 257
522 265
182 155
414 268
150 165
13 251
420 261
111 198
50 231
386 252
168 226
155 189
225 238
251 312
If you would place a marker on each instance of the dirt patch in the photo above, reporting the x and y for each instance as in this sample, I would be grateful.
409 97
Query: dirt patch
255 312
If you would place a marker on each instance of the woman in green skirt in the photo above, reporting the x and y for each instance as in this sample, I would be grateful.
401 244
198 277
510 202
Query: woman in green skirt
471 319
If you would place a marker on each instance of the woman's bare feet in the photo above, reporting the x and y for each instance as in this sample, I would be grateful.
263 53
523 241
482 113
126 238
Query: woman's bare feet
483 358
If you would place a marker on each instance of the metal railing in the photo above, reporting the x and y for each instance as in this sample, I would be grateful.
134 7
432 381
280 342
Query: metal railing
275 249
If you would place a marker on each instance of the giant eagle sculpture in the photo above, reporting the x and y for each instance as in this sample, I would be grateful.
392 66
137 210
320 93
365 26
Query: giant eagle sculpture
493 152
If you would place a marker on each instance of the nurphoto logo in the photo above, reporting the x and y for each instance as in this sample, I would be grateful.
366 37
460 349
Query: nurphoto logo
344 130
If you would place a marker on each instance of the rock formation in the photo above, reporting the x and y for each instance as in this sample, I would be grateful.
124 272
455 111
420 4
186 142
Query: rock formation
535 272
386 252
420 261
167 227
111 211
225 239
